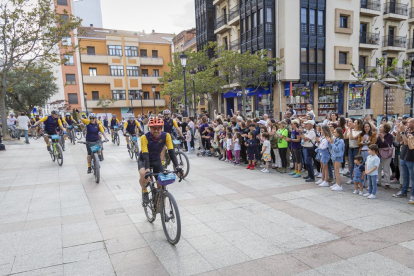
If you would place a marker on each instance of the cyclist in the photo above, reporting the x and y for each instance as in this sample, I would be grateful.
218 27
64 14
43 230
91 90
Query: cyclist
152 144
51 123
68 121
92 135
105 123
114 122
169 124
129 127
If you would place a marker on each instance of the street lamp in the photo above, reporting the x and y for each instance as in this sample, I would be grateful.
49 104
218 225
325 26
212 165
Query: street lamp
387 92
153 93
142 106
86 104
130 98
183 58
412 86
270 71
170 81
193 72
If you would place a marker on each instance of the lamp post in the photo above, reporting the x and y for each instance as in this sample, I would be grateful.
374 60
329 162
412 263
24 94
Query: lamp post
412 87
142 106
170 81
183 58
130 98
270 71
85 95
387 92
193 72
153 93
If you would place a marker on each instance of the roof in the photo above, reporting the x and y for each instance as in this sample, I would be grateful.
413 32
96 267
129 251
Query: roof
190 42
100 33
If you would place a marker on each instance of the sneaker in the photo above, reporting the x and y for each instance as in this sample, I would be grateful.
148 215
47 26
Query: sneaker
337 188
265 171
89 170
296 175
361 193
371 197
341 171
333 186
310 180
292 173
27 142
400 194
252 167
324 184
355 192
367 194
283 170
145 198
411 201
248 167
319 181
236 164
347 173
305 176
48 148
319 175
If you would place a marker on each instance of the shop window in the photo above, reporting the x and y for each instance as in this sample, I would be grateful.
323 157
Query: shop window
299 97
327 100
95 95
72 98
355 98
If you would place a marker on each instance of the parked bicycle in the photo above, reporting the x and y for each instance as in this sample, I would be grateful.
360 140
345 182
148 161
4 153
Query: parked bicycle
182 158
56 152
162 202
96 167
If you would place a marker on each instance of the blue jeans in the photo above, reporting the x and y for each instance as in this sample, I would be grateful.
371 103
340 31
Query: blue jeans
308 156
189 146
26 134
407 171
352 152
364 154
372 184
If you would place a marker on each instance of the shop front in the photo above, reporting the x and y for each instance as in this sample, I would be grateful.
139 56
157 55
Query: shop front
299 95
330 99
356 100
257 101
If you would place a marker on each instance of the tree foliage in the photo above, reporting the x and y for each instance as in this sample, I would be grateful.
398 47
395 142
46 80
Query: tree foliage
30 32
34 88
105 102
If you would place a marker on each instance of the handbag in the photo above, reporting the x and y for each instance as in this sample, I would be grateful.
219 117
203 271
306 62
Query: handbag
386 152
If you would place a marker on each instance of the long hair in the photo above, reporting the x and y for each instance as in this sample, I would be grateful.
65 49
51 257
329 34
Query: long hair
326 131
363 129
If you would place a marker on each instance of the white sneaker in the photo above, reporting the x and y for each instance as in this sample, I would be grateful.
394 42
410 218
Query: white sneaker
265 171
355 192
349 182
324 184
361 193
262 166
345 171
371 197
319 181
319 175
341 171
334 185
367 194
337 188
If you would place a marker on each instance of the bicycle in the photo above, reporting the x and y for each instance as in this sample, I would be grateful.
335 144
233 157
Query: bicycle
78 132
182 158
71 134
133 147
62 140
116 136
95 147
13 133
39 134
56 152
162 202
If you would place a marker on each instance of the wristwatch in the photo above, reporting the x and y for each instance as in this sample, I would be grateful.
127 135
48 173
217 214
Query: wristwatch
403 132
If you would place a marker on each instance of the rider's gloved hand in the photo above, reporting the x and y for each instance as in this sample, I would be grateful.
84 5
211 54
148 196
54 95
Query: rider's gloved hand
147 175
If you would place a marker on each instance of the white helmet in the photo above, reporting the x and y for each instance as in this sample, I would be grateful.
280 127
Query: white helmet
67 114
131 117
11 114
54 111
92 115
167 112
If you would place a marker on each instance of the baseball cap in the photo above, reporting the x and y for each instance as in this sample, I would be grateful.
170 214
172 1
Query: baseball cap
312 122
261 122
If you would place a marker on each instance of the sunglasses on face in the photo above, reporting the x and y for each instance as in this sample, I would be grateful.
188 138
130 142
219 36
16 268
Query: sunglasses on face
156 128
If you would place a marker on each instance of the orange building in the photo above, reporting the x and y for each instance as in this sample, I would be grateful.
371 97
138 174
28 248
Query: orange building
122 65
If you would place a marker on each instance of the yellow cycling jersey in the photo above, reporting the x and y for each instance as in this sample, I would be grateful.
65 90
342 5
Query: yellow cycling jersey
155 147
87 122
64 120
45 118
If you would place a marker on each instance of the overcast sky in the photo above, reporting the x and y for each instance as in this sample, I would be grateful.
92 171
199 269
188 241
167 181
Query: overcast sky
163 16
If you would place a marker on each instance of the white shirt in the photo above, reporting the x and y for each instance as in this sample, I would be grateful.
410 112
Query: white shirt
229 144
23 122
311 135
237 144
267 145
11 121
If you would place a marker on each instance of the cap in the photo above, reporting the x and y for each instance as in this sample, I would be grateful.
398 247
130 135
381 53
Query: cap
312 122
261 122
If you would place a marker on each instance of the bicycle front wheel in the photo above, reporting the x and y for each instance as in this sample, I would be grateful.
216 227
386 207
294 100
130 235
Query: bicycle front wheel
59 155
78 135
96 167
131 151
149 209
183 162
170 218
117 140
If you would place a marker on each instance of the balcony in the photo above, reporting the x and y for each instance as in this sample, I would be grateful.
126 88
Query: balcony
394 43
396 72
370 8
151 61
369 41
98 59
410 46
220 25
218 2
235 45
127 103
369 70
234 16
411 16
395 11
100 79
150 79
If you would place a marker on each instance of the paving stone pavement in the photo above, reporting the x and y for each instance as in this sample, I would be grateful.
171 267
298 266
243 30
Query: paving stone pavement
58 221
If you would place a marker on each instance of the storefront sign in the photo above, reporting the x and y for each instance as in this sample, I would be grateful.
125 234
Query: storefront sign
355 97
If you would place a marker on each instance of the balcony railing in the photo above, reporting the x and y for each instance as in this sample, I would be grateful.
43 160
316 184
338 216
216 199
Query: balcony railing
369 70
397 71
371 5
412 13
220 21
394 41
369 38
396 8
234 12
235 45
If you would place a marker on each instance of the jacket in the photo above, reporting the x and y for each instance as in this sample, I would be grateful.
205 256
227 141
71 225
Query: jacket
337 149
372 140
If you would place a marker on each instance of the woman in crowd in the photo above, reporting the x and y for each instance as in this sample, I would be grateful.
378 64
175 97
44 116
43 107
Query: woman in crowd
323 155
337 155
365 139
384 143
353 133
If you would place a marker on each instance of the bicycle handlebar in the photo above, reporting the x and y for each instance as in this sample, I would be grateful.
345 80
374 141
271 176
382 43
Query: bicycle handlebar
165 172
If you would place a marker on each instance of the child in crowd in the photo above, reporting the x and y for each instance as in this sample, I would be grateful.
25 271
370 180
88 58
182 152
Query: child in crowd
371 171
309 112
337 156
188 138
229 143
266 151
295 148
358 174
251 149
237 148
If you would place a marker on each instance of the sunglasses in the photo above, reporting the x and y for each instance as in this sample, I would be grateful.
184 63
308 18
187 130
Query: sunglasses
156 128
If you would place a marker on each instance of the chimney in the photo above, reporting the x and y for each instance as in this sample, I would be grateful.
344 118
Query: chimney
91 26
153 32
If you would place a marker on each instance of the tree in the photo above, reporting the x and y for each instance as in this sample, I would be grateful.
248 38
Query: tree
30 31
378 74
33 89
105 102
60 105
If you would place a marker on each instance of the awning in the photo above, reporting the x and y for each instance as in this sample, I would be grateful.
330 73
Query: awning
251 92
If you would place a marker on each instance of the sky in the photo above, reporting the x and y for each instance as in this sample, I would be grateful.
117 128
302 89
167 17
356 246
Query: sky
163 16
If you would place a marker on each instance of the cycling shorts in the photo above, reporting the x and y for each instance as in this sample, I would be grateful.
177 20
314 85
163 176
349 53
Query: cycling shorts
156 165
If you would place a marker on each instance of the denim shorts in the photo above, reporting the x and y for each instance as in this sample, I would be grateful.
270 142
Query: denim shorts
338 159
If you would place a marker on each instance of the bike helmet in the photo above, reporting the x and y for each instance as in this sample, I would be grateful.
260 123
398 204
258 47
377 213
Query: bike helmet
113 115
68 114
167 112
54 111
155 122
131 117
92 115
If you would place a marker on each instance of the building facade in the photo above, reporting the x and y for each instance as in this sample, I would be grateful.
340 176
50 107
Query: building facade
184 40
205 18
317 41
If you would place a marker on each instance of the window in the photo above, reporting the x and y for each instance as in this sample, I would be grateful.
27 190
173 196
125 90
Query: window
66 40
95 95
242 28
131 51
343 21
254 20
157 95
248 23
312 17
70 79
312 55
304 55
115 50
90 50
144 72
320 18
118 94
134 94
64 18
62 2
260 16
156 73
132 71
68 60
321 56
116 70
143 53
92 71
154 53
146 95
269 18
343 58
73 98
303 16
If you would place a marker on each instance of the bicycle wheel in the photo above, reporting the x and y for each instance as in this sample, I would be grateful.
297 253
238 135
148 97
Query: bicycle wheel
78 135
136 151
183 162
117 140
149 209
59 155
52 153
96 167
170 218
62 142
131 151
